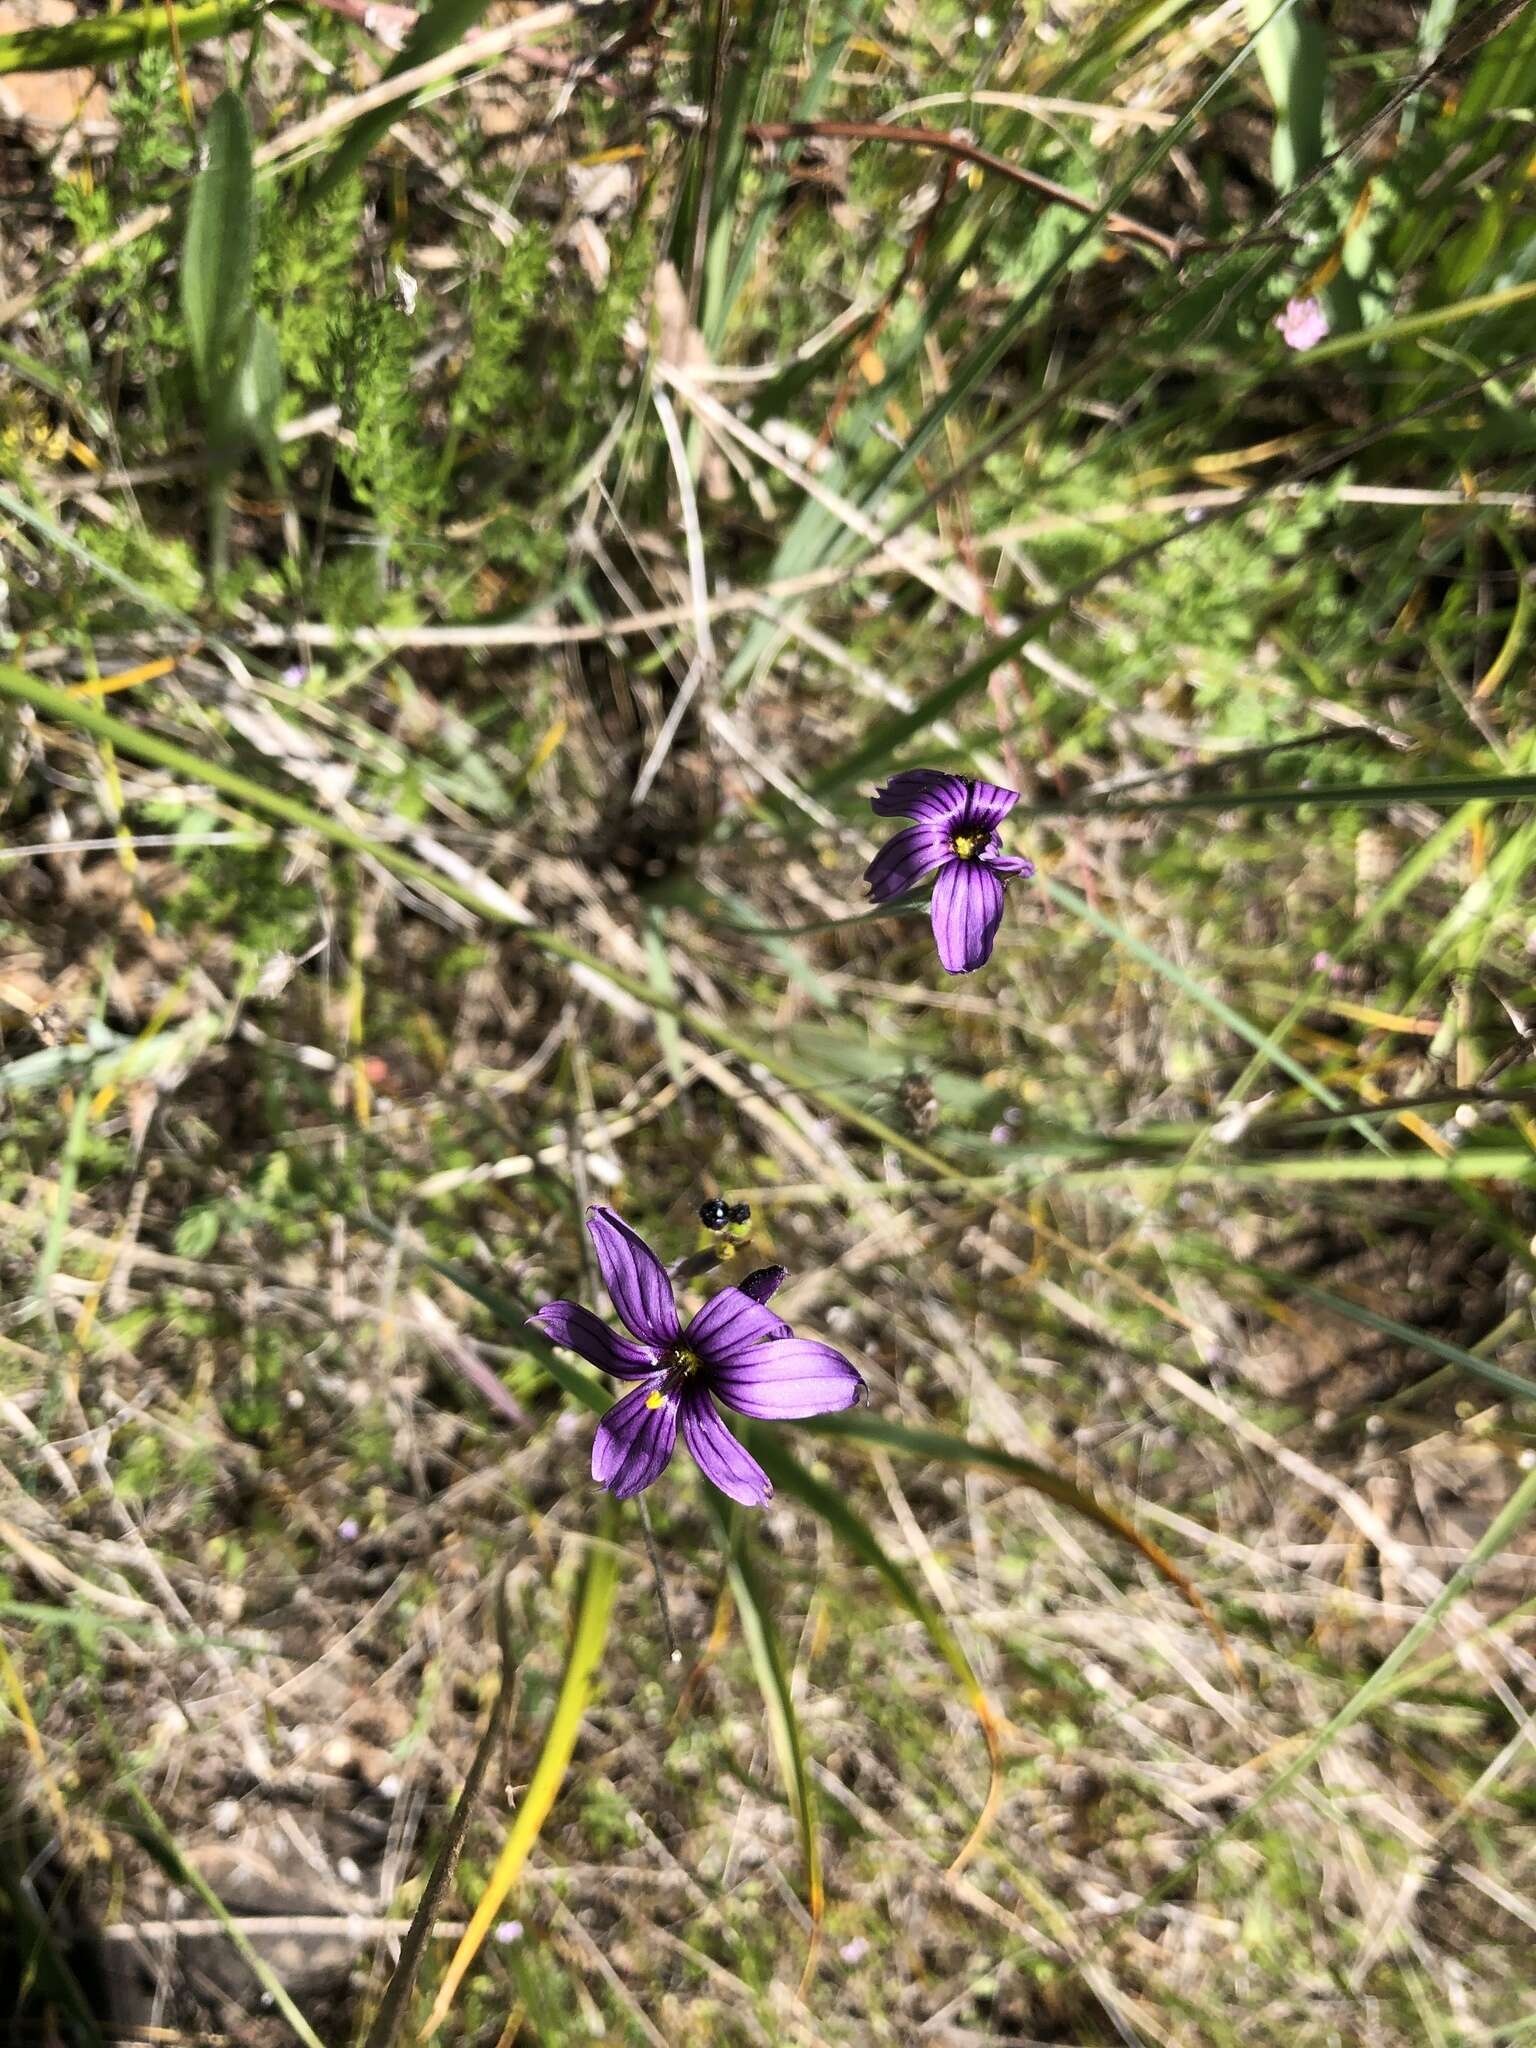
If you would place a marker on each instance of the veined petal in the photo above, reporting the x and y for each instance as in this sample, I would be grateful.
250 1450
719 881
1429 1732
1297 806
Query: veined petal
568 1323
634 1441
634 1277
903 861
1008 863
927 794
966 911
723 1461
727 1321
788 1377
986 806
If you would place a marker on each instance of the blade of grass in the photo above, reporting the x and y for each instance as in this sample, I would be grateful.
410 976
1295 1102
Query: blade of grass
594 1611
1278 1282
391 2013
778 1701
939 1446
254 796
1433 790
1378 1686
157 1839
791 1477
438 28
1222 1011
115 38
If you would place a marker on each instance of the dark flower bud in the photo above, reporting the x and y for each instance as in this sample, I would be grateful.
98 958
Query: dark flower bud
764 1283
713 1214
740 1213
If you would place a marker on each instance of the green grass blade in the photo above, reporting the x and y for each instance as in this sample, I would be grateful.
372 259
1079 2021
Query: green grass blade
1511 1383
390 2016
589 1637
437 29
1332 796
117 38
1378 1686
1216 1006
943 1448
156 1838
778 1701
791 1477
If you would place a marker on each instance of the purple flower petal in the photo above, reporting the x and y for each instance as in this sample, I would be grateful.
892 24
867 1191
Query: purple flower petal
765 1283
727 1321
723 1461
635 1278
966 911
634 1441
568 1323
986 807
927 794
903 861
789 1377
1008 863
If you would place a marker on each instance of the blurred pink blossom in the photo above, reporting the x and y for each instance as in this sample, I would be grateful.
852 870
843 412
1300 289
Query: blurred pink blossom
1303 324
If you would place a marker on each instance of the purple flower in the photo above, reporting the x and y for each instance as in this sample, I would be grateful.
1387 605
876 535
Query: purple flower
735 1349
1302 325
956 832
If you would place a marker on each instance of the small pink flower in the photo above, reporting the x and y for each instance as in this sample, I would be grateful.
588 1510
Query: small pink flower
1302 325
854 1951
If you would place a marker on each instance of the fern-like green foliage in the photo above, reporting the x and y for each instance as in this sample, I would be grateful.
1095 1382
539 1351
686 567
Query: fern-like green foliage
152 157
389 464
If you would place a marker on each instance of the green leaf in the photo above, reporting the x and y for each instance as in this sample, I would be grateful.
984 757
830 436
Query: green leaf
1294 60
256 391
218 255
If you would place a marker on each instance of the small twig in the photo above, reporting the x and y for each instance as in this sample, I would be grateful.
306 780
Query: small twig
966 152
391 2012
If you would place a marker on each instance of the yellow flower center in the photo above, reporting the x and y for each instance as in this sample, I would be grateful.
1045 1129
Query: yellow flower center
681 1366
967 844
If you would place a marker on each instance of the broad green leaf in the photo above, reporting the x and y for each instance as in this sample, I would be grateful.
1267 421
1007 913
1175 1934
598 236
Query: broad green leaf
594 1611
256 391
218 255
1294 60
